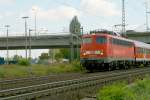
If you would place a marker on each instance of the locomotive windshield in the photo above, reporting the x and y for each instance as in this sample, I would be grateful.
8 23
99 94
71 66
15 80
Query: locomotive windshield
101 40
87 40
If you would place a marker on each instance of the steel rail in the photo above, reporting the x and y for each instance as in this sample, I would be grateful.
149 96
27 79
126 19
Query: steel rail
48 85
63 86
16 83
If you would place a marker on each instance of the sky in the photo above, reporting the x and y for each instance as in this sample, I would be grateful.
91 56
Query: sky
55 16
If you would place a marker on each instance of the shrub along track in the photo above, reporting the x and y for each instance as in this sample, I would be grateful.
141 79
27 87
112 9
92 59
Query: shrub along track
76 84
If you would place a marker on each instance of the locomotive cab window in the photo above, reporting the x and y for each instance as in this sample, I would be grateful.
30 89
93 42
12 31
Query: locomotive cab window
87 40
121 42
101 40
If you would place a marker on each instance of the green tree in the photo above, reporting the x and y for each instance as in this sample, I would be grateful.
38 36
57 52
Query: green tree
17 57
58 56
65 53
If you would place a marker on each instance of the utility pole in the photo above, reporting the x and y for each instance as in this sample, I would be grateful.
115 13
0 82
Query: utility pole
26 53
81 34
79 41
146 13
7 26
123 18
77 37
30 30
72 47
81 28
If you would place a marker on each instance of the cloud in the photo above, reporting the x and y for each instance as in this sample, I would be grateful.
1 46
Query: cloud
99 7
60 13
7 2
6 14
1 17
63 12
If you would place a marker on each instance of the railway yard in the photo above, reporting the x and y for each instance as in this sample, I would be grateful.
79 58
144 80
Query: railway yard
73 86
44 58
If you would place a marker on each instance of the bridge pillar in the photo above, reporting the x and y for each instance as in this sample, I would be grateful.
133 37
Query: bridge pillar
71 48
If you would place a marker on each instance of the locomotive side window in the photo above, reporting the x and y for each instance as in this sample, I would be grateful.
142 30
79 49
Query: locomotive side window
87 40
121 42
101 40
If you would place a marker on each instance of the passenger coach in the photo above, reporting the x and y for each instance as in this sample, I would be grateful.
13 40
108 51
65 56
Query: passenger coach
142 53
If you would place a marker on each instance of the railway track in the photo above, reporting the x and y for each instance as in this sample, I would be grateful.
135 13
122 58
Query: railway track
54 88
16 83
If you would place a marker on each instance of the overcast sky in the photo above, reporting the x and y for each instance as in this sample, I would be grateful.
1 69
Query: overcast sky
55 15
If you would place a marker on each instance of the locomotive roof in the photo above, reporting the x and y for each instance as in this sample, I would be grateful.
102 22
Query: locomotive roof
137 43
117 37
103 31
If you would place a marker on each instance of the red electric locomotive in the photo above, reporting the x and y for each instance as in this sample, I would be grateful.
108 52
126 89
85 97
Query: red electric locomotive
102 50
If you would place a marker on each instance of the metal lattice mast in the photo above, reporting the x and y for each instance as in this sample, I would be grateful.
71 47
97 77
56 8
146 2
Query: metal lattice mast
146 6
123 18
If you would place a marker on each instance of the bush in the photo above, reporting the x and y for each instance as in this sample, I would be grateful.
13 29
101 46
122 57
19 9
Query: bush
140 90
76 64
24 62
117 91
20 70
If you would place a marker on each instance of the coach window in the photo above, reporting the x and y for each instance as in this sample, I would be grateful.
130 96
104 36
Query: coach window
87 40
140 50
148 51
101 40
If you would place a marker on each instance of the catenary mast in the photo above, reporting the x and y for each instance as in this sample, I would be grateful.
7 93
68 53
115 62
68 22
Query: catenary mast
123 18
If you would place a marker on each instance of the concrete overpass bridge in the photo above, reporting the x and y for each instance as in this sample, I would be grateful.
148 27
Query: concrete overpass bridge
139 36
38 42
56 41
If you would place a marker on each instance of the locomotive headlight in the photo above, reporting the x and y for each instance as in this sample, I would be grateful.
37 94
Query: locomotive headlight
102 53
84 54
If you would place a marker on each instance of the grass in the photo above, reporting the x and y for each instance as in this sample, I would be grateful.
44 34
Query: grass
140 90
18 71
